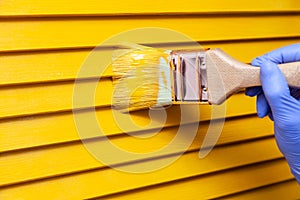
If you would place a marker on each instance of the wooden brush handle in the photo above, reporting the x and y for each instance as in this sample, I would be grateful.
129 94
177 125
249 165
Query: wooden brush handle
227 75
250 74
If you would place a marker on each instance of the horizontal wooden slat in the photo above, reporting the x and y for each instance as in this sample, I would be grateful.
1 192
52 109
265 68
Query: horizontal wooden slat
214 186
48 129
65 32
113 7
43 161
43 98
29 67
38 130
105 181
64 124
285 190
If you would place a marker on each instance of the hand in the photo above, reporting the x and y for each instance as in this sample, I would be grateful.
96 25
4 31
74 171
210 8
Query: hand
280 102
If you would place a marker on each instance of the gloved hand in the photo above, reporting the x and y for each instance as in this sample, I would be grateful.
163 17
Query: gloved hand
280 102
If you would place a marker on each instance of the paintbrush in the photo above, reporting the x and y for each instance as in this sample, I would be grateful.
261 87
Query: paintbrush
145 77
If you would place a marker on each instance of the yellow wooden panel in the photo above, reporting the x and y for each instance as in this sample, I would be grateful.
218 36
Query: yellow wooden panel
38 130
285 190
105 181
50 129
34 163
28 67
49 159
42 66
208 187
43 98
92 7
50 33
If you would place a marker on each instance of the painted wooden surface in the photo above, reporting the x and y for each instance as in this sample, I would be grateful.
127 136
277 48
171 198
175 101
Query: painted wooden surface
115 7
52 33
43 44
278 190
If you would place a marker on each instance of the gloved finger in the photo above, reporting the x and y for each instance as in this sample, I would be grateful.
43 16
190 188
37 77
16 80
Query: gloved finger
258 61
270 115
285 54
262 106
253 91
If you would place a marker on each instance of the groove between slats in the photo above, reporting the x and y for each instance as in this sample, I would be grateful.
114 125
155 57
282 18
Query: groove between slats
24 8
149 14
63 32
188 165
32 67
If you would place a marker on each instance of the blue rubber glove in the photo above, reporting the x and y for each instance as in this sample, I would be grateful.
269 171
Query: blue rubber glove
280 103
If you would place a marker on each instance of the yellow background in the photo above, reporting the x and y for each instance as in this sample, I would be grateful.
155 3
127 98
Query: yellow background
44 43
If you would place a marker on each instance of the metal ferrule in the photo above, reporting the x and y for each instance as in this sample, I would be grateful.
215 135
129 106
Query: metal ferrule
189 82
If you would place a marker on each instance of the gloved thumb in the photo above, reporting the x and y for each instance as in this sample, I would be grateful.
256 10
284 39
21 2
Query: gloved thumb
274 85
277 93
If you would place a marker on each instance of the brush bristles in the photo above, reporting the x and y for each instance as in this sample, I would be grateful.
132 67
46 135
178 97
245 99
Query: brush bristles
137 74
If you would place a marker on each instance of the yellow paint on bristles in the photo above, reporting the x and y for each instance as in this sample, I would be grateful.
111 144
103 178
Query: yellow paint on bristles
136 77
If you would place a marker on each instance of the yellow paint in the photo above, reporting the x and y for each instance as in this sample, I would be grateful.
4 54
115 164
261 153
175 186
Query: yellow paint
285 190
61 33
37 132
43 98
188 165
208 187
136 78
39 164
113 7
